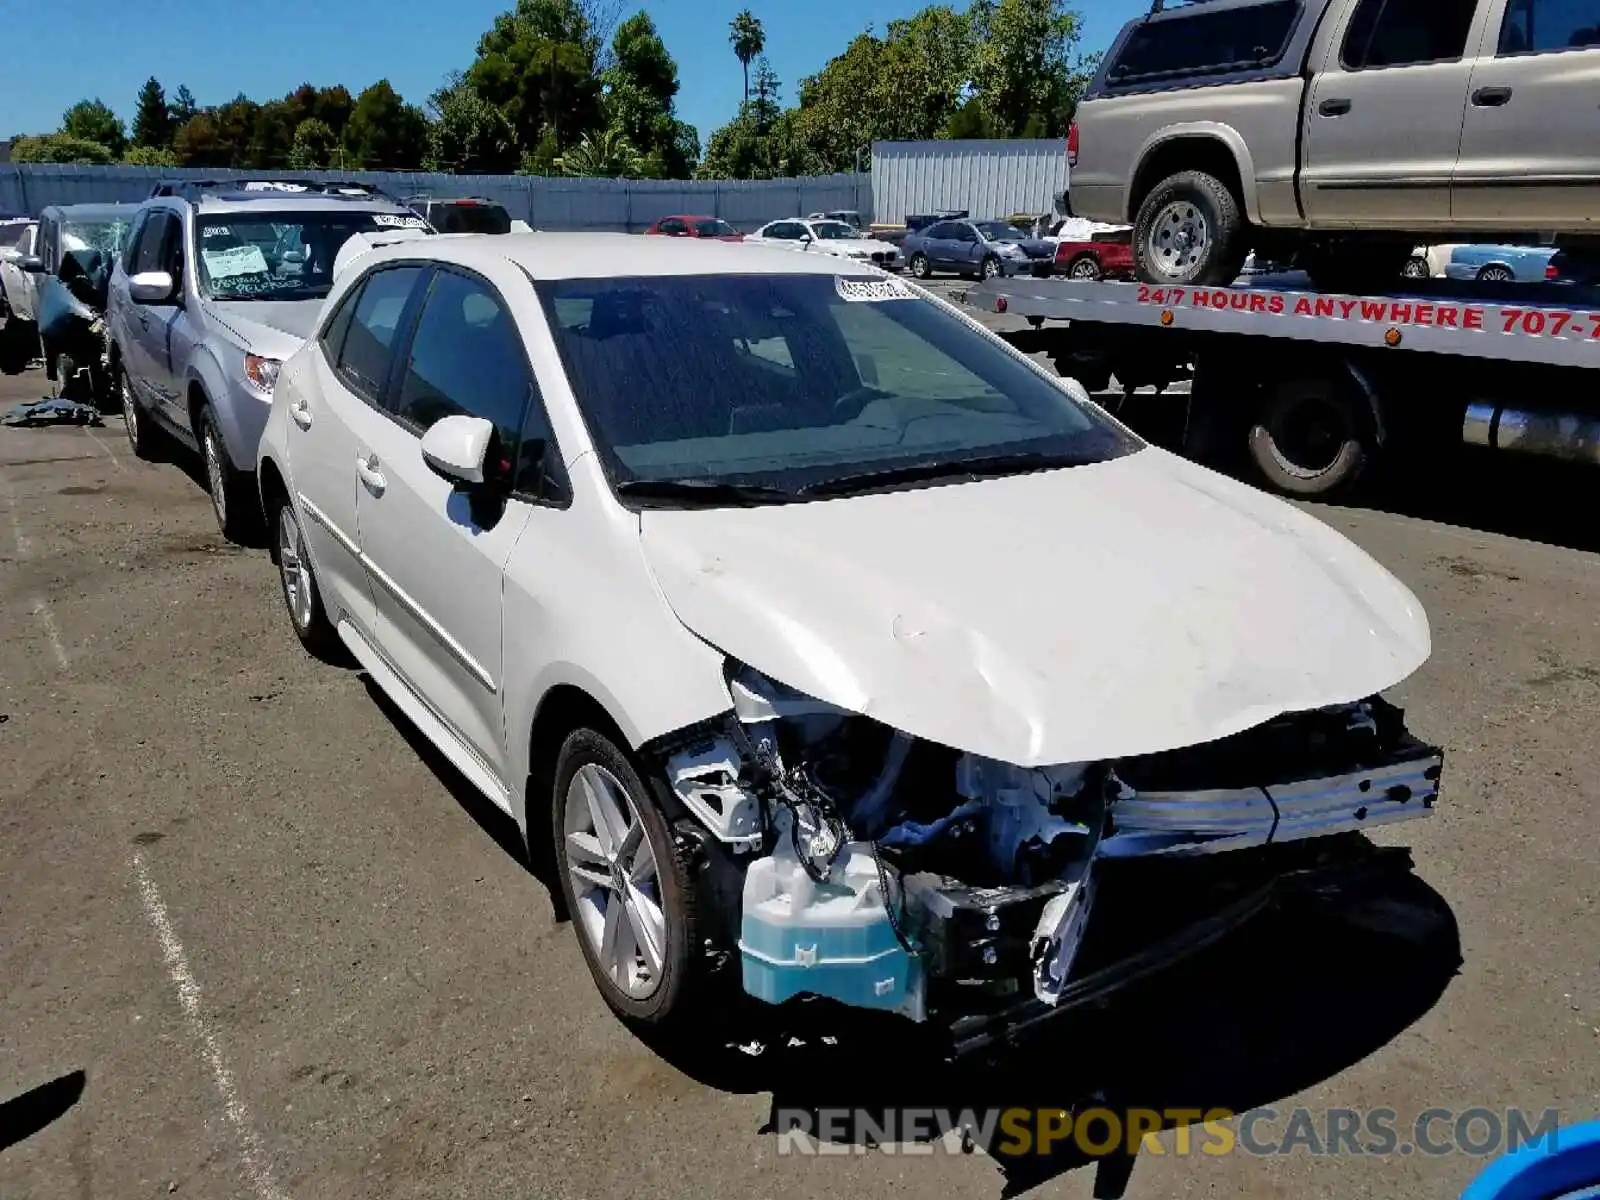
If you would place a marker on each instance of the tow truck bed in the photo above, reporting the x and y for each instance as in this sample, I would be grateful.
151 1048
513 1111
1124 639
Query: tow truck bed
1318 387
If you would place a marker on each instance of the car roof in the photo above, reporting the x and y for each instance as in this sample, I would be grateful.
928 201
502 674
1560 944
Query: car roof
687 217
610 255
89 212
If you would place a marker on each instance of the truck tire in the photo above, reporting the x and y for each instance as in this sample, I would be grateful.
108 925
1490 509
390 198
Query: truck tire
1312 437
1189 230
1353 267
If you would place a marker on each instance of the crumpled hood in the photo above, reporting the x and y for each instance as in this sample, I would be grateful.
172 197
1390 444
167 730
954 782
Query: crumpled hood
1123 608
1033 247
271 328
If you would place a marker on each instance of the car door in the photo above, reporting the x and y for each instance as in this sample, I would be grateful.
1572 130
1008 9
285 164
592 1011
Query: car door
1530 157
171 326
936 242
333 424
143 348
1383 119
672 227
968 247
435 556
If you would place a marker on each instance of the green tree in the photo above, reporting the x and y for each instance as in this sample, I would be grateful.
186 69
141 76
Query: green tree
58 148
182 107
93 121
333 106
314 142
152 120
198 143
385 133
607 153
470 136
744 149
748 39
1023 70
150 156
641 83
971 120
538 67
236 130
766 107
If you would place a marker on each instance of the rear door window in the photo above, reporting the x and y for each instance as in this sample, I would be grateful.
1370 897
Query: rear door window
364 359
1542 26
1401 33
1225 39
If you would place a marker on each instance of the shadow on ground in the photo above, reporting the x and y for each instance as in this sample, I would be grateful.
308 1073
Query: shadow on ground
25 1115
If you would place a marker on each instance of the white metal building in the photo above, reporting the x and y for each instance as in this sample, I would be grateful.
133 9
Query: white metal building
987 178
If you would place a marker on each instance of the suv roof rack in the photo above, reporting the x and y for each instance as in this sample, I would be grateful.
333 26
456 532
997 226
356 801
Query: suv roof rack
191 188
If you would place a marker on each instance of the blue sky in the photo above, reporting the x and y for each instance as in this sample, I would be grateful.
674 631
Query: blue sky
220 48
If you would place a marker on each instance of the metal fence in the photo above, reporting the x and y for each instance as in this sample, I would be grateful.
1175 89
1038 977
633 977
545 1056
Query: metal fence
987 178
615 205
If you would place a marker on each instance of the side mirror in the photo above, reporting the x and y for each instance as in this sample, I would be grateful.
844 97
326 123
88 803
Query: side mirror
805 239
151 287
31 263
455 448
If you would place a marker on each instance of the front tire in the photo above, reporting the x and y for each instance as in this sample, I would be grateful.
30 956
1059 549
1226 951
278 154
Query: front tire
233 500
920 266
301 596
1189 230
630 894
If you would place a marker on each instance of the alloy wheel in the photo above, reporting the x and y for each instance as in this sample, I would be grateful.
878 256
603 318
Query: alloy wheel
615 880
294 569
130 415
214 473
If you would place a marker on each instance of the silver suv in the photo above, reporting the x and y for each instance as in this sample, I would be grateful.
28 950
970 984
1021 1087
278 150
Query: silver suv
219 283
1341 131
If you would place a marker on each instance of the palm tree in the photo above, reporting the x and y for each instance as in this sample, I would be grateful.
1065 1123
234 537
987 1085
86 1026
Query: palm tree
608 153
748 40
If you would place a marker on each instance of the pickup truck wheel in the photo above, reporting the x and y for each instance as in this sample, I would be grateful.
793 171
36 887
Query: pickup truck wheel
1312 438
1085 268
629 892
1189 231
920 266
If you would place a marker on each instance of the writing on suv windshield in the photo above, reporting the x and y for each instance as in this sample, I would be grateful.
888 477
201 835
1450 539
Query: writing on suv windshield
767 388
277 256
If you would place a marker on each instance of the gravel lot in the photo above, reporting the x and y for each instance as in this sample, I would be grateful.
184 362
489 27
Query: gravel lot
293 957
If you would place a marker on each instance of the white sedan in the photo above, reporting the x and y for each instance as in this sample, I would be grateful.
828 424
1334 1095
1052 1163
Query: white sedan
826 237
819 640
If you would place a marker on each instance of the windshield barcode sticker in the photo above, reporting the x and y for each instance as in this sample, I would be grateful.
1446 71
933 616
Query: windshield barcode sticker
396 221
872 290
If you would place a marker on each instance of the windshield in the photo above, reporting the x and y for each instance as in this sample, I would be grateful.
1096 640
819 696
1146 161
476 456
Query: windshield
108 237
278 255
471 218
999 231
793 381
14 234
833 230
715 228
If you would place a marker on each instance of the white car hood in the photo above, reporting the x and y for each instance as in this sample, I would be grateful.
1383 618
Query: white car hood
271 328
1128 607
843 246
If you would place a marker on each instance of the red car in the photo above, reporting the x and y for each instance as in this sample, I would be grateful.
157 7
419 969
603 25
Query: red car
1105 256
695 227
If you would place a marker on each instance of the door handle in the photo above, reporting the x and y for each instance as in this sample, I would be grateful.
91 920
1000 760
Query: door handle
300 414
1491 97
1334 108
367 470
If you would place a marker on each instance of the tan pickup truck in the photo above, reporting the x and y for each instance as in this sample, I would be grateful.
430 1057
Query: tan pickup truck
1341 133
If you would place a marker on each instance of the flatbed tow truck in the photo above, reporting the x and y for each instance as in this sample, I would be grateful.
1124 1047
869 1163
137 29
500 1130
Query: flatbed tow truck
1316 389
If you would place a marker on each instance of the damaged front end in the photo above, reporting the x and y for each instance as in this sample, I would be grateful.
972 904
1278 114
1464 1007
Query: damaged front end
848 860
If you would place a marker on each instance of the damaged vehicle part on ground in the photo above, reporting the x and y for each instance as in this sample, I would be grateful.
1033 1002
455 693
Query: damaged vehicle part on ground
886 872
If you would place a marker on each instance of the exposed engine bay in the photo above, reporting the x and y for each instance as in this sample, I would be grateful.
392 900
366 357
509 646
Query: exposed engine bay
883 871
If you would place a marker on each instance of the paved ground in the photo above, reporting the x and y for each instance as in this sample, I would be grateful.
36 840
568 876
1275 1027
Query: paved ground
291 957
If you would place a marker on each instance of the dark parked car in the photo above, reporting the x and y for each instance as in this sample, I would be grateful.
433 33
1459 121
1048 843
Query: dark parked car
986 248
695 227
462 214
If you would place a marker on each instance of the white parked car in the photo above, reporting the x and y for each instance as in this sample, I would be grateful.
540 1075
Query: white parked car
825 642
827 237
